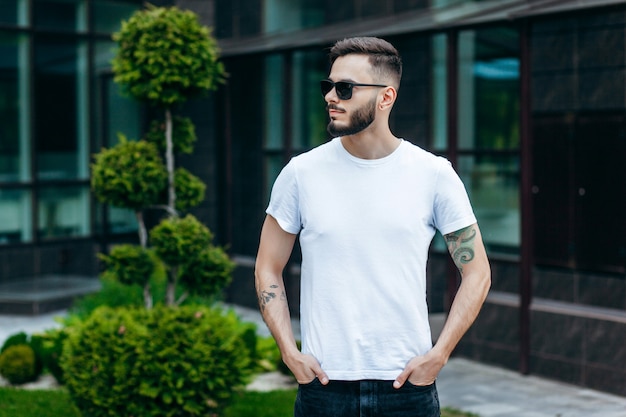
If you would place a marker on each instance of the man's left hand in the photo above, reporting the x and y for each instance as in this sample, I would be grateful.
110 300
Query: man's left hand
420 371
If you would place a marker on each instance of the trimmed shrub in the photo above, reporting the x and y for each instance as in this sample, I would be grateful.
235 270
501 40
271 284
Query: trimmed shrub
17 364
208 273
185 361
175 240
129 175
130 264
22 338
190 189
50 345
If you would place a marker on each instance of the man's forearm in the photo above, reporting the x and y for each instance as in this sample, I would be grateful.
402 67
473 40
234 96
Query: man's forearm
275 312
464 310
468 253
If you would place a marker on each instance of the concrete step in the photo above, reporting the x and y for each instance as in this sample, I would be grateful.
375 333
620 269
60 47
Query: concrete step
48 293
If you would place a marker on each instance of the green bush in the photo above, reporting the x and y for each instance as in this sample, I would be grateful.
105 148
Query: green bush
17 364
22 338
166 56
50 348
190 190
131 264
129 175
208 273
176 240
185 361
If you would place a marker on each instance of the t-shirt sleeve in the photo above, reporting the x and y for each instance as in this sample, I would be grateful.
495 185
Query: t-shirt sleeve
452 207
284 200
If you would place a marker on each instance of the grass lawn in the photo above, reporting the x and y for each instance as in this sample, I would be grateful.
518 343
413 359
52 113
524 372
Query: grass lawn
56 403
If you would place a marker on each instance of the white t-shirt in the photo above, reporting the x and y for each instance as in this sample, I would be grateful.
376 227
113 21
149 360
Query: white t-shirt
365 229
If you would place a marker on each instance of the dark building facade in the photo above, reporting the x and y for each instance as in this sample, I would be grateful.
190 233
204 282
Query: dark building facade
527 98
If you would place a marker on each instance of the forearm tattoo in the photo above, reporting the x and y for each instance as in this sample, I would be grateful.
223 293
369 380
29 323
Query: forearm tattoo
461 245
266 296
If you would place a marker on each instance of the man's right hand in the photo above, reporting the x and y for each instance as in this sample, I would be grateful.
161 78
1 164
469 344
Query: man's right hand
306 368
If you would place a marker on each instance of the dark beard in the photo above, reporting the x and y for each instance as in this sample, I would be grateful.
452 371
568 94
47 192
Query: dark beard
359 120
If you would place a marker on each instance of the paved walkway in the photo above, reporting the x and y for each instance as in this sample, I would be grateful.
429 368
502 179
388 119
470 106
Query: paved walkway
466 385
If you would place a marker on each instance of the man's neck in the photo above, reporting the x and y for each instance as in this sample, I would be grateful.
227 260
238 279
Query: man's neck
371 144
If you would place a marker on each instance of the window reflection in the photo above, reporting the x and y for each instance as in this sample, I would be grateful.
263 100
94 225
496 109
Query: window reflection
309 117
14 97
493 186
489 89
61 14
14 12
108 14
488 132
63 212
61 108
15 223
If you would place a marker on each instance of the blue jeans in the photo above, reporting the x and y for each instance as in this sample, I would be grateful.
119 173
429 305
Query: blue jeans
366 398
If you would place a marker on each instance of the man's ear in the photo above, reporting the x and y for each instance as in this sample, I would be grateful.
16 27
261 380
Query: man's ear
389 96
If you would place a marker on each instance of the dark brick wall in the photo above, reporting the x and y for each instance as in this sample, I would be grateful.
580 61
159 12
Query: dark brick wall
578 327
65 258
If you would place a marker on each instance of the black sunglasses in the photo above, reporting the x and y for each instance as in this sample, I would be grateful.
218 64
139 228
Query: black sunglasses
343 88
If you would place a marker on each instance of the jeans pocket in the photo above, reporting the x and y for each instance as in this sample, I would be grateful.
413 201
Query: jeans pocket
421 388
313 383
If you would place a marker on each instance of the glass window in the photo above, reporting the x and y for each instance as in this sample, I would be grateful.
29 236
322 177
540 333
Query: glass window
63 212
439 131
61 107
14 104
61 14
488 89
122 220
15 220
108 14
14 12
117 113
492 183
308 106
274 108
488 135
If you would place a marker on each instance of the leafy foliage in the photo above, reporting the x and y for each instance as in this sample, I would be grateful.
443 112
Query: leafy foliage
17 364
183 134
166 56
131 264
186 361
176 240
22 338
207 273
189 189
50 347
129 175
19 338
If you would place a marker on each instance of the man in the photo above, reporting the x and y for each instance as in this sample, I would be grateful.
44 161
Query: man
366 206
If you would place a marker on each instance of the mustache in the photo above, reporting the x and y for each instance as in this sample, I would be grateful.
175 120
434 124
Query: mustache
332 106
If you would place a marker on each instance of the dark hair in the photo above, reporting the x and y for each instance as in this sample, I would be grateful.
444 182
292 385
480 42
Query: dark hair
384 58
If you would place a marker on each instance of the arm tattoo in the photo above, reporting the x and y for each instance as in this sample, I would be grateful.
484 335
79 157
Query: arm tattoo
461 246
265 296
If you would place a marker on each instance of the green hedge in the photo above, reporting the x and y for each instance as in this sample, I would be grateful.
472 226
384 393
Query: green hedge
185 361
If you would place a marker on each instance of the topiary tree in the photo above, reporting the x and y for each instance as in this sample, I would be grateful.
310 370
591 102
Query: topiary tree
166 57
159 360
